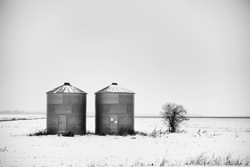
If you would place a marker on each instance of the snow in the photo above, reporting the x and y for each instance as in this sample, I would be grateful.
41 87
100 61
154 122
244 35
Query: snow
220 137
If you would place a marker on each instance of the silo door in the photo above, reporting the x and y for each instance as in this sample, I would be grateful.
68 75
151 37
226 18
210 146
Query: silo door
113 123
62 123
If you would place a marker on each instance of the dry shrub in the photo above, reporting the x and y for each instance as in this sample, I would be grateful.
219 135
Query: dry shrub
39 133
68 134
131 132
173 115
101 134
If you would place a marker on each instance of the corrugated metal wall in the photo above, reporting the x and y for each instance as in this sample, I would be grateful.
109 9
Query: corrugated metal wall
112 106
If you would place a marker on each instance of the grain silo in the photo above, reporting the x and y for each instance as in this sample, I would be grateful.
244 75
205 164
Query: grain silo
114 110
66 110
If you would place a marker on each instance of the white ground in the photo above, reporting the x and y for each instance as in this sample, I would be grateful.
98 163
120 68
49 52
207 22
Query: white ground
219 137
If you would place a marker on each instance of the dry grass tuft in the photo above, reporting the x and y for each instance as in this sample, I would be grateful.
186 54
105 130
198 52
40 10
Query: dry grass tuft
89 133
39 133
202 159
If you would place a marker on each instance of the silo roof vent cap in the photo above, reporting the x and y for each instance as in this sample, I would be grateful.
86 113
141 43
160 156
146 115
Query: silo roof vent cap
66 83
114 83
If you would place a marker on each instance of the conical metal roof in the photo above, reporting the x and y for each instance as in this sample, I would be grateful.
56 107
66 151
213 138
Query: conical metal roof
66 88
114 88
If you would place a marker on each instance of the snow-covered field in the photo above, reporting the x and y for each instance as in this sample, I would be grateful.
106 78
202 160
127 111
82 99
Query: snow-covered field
228 139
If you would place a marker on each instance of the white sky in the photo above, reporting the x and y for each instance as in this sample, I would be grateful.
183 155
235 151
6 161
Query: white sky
194 53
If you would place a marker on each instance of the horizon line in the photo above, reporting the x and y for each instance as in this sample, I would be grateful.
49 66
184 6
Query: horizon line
8 112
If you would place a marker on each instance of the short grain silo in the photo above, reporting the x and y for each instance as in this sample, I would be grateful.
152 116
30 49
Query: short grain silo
114 110
66 110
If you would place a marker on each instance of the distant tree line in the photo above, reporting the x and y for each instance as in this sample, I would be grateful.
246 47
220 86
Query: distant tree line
18 112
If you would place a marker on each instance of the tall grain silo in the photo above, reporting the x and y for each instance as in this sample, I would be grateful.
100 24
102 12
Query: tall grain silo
114 109
66 110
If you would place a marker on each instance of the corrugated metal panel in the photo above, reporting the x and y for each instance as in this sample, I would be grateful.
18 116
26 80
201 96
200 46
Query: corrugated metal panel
105 98
66 88
55 99
63 109
114 88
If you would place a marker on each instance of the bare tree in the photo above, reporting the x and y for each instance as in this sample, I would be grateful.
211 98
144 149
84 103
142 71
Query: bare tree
173 115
